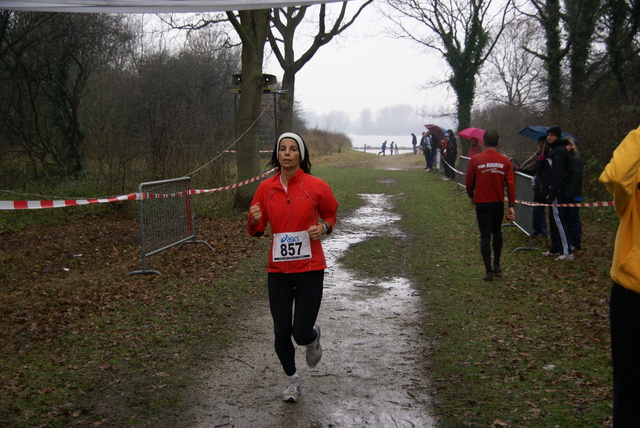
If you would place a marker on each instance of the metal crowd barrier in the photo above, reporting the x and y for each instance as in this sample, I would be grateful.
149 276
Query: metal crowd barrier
524 213
462 167
166 221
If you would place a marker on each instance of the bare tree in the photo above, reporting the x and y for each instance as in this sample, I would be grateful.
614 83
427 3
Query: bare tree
514 77
252 26
460 32
50 60
580 22
569 27
286 22
623 23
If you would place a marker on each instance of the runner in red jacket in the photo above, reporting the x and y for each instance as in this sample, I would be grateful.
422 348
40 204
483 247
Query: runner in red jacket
300 209
487 174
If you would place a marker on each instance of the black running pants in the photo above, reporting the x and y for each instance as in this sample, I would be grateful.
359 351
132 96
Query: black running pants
489 215
294 299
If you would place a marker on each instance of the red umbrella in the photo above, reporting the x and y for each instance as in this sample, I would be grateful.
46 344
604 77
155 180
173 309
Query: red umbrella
470 133
436 130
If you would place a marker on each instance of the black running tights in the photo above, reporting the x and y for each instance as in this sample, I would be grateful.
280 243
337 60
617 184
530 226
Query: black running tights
489 215
294 299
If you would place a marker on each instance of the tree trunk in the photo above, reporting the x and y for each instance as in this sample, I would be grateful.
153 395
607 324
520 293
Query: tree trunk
254 25
465 96
285 102
582 16
616 45
554 59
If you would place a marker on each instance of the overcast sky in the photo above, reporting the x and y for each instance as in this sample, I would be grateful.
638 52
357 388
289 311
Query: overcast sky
365 68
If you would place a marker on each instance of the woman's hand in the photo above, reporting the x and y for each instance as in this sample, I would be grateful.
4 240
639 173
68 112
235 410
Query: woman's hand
256 213
316 231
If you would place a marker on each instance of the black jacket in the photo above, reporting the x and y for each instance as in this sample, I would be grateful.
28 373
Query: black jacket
559 161
542 173
452 148
573 187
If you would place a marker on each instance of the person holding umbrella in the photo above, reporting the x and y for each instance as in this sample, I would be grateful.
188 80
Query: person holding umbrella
475 148
475 135
538 167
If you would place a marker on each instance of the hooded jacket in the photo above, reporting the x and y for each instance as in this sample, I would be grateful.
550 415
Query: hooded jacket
558 159
306 200
622 179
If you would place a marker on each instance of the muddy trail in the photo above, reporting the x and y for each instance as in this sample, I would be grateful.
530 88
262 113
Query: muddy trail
373 370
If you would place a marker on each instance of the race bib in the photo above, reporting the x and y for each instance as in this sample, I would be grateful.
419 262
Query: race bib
291 246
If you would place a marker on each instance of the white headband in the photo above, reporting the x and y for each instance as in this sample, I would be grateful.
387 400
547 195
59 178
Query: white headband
295 137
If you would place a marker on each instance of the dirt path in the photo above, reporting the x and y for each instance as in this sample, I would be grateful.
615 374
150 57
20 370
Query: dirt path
372 371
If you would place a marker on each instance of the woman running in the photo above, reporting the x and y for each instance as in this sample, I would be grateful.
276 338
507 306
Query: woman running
300 209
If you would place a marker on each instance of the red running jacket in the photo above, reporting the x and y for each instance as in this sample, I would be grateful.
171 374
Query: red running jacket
487 174
306 200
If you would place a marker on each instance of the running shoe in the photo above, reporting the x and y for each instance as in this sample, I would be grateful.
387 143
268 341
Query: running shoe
488 276
566 257
314 350
292 392
550 254
496 269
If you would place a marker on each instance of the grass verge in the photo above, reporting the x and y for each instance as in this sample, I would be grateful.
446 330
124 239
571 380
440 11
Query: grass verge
531 348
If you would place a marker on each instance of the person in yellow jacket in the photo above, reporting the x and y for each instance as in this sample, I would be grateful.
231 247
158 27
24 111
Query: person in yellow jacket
622 179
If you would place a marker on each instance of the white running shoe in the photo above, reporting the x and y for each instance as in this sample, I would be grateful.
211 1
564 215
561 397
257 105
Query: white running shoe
566 257
314 350
292 392
550 254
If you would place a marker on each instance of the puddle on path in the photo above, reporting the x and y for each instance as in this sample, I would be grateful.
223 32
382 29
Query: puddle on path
373 368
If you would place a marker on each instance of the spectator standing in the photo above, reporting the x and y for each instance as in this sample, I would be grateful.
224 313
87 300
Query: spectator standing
573 193
414 143
433 139
444 142
451 155
487 175
391 149
622 179
425 146
558 160
541 172
475 148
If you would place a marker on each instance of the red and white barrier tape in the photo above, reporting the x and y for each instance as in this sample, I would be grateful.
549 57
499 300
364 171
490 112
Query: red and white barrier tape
453 168
259 151
538 204
33 205
581 204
